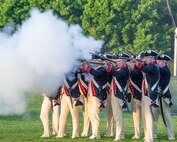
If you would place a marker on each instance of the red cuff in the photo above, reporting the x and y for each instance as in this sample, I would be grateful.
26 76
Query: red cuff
138 65
108 68
88 69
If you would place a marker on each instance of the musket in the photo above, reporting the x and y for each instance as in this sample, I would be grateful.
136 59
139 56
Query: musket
97 63
152 113
134 56
103 58
161 106
92 62
125 58
153 117
131 53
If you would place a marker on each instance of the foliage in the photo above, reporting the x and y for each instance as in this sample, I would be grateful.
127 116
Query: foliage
122 24
69 10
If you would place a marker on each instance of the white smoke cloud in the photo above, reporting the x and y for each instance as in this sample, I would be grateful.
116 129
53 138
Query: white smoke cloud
37 57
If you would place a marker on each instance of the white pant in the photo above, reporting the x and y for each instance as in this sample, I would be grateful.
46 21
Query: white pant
117 114
44 116
65 108
110 119
167 116
136 114
147 118
94 114
86 126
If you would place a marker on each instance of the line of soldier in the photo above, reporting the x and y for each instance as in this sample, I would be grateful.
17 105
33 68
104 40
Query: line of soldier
143 80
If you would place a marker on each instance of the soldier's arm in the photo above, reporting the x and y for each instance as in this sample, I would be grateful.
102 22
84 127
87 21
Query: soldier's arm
119 74
98 73
146 69
164 71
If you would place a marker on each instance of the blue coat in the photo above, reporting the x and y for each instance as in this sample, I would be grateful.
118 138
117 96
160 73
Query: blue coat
152 76
165 76
101 77
137 77
121 76
73 85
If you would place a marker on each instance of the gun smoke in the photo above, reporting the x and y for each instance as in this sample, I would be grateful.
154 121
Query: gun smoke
37 57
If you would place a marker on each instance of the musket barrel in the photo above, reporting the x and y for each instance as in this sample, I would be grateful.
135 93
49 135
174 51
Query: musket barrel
134 56
131 53
98 63
103 58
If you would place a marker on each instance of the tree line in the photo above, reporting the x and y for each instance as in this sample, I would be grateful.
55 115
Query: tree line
123 24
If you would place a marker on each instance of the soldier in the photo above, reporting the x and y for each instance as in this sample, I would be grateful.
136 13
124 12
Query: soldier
120 77
96 96
109 113
69 96
83 88
150 82
50 103
165 98
135 84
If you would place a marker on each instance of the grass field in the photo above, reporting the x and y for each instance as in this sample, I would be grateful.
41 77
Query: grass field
28 127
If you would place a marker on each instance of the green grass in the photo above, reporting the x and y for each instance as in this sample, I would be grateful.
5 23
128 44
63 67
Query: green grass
28 127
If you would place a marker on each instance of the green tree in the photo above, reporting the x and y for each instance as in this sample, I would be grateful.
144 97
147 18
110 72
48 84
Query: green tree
129 24
69 10
122 24
17 11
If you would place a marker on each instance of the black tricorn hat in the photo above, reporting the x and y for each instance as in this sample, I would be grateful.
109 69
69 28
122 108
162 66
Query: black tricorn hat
140 55
149 53
121 55
95 56
163 57
109 56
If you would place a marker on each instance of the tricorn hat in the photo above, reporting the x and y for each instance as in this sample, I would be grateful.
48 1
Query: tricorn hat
95 56
121 55
148 53
163 57
109 56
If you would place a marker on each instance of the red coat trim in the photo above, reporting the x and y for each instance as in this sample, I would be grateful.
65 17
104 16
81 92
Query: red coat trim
93 89
82 89
114 86
88 69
